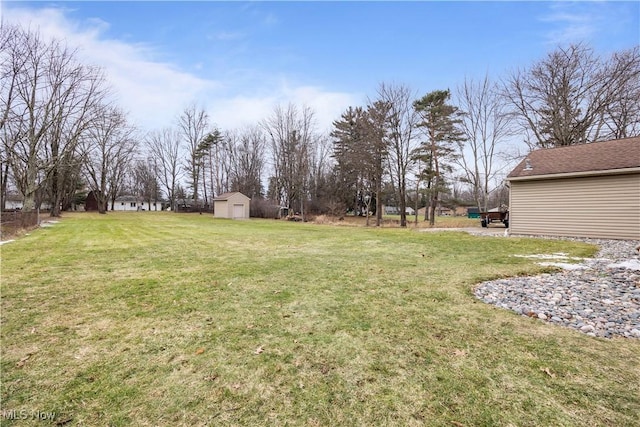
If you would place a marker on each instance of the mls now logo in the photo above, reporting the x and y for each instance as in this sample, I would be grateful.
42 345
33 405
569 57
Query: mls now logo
23 414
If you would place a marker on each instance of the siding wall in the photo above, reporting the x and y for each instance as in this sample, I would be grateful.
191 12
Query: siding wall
225 208
139 205
599 207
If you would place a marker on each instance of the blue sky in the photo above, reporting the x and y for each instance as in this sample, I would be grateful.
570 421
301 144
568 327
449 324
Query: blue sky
238 60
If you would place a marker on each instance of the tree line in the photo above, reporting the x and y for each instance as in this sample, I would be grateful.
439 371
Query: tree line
62 135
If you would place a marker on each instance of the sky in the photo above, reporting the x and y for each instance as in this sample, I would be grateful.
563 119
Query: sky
238 60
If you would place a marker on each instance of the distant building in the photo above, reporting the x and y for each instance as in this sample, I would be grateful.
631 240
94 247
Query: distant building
134 203
91 203
473 212
233 205
15 202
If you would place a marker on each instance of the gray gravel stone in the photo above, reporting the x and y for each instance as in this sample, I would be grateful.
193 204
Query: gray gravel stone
601 300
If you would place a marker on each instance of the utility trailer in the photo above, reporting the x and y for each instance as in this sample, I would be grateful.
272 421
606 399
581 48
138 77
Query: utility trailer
500 214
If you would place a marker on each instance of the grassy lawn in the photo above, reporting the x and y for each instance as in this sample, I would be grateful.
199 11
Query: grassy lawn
394 221
170 319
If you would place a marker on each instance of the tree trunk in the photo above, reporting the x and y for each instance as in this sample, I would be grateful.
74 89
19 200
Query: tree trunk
102 205
56 197
378 203
434 200
4 175
403 202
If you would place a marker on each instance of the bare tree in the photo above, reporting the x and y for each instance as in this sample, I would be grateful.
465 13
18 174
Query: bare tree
164 148
570 96
320 173
215 149
50 98
14 43
246 154
145 182
6 160
12 60
402 121
77 102
291 134
621 116
109 148
486 125
192 124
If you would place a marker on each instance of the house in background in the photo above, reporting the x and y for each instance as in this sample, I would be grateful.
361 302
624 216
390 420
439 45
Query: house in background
394 210
133 204
587 190
234 205
444 211
15 201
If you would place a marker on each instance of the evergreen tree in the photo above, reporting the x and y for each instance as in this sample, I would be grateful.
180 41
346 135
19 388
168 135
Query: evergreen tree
440 122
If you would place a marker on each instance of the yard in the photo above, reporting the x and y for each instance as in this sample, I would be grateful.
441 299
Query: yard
176 319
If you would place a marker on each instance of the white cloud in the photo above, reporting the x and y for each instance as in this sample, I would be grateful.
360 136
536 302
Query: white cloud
571 29
328 106
154 93
573 22
244 109
240 110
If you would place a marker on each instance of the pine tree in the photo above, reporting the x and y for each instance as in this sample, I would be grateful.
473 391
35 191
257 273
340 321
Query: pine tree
440 122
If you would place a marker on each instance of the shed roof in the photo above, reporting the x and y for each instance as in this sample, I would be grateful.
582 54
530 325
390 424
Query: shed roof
593 157
227 196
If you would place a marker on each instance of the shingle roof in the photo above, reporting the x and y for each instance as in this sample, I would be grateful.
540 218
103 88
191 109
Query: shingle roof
596 156
128 198
226 196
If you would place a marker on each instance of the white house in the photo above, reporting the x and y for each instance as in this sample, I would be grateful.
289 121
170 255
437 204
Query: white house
134 204
14 202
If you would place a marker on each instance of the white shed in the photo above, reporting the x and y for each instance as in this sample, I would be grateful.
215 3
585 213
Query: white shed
234 205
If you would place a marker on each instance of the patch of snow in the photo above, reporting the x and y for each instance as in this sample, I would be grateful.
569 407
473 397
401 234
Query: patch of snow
558 255
631 264
6 241
564 265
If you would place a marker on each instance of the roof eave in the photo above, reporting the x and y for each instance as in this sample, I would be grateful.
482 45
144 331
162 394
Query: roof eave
622 171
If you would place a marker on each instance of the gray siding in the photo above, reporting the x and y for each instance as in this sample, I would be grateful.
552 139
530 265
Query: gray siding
598 206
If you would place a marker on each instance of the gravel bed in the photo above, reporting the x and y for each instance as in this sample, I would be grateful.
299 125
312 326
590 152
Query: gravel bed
599 297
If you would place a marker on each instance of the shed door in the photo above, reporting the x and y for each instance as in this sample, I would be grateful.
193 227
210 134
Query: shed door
238 211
